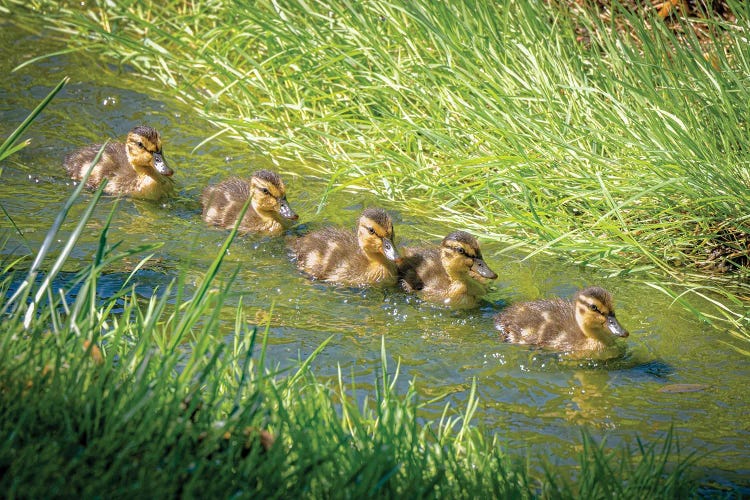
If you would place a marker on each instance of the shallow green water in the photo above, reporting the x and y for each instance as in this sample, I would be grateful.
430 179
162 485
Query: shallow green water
533 401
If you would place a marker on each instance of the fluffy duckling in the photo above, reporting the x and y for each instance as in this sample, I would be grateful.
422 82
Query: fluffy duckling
454 273
136 168
341 256
269 212
588 323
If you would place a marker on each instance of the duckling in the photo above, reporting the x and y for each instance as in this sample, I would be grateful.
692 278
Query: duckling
268 212
454 273
588 323
136 168
341 256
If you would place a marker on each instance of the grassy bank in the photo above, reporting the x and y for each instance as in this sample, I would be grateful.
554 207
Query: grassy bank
621 150
95 405
125 396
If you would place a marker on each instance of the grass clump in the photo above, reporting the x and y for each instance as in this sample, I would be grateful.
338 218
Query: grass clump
125 396
624 152
151 400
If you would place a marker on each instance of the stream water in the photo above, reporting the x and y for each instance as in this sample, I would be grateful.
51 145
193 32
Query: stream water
534 402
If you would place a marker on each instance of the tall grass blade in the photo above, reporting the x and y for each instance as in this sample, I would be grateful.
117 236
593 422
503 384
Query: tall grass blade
5 148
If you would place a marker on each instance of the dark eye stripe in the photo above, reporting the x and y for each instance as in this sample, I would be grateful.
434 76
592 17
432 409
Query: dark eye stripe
595 308
265 190
463 251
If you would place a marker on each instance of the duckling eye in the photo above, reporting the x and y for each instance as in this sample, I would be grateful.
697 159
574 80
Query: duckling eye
265 191
371 230
594 308
140 145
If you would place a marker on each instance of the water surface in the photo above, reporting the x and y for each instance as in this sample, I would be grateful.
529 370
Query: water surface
532 400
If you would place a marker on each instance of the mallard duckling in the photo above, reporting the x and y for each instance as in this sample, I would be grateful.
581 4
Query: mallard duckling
136 168
453 273
341 256
588 323
268 212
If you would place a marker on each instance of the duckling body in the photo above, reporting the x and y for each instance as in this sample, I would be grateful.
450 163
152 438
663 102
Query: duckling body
453 274
362 258
269 212
588 323
136 168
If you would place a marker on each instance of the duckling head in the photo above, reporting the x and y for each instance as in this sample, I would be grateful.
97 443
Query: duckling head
375 235
595 315
144 152
461 257
269 196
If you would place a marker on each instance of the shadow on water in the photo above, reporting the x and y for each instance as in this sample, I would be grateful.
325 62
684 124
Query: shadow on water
637 364
145 283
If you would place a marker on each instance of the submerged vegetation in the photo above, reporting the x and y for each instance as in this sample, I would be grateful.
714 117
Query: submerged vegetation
624 149
121 396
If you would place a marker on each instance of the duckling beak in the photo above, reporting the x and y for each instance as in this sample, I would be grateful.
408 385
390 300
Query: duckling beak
286 211
615 327
160 164
482 269
389 250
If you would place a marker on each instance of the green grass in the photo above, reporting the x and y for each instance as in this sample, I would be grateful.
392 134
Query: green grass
626 153
125 396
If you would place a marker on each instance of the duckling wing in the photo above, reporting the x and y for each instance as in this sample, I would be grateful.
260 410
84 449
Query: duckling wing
408 275
330 254
421 269
113 164
543 322
77 162
223 202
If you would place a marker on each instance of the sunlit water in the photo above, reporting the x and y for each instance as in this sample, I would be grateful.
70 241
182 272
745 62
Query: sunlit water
533 401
